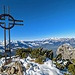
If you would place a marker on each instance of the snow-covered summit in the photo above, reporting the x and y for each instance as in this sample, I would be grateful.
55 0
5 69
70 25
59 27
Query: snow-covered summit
32 68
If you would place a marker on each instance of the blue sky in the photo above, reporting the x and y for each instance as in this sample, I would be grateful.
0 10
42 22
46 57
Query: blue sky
42 18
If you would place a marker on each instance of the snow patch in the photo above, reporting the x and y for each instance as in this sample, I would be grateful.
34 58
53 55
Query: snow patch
32 68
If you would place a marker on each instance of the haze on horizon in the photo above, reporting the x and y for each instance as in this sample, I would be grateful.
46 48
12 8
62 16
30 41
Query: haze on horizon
42 18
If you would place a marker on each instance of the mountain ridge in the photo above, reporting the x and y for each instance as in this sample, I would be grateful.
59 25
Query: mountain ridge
51 43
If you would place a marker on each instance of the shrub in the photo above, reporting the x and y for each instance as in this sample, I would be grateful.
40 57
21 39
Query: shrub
71 69
73 60
35 53
0 56
24 55
40 59
54 59
59 66
59 57
66 74
68 63
49 54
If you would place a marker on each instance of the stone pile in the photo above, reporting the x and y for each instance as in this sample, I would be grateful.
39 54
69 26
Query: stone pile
15 69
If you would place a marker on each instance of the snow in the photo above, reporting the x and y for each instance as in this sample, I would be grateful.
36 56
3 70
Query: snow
36 69
45 42
65 62
2 61
59 61
40 69
34 44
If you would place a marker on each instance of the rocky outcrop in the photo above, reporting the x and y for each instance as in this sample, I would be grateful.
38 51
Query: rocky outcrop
67 51
16 69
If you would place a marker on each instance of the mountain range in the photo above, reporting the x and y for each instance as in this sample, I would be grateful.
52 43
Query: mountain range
51 43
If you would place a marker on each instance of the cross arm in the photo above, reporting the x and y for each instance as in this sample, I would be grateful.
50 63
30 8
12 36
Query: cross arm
16 20
16 24
2 23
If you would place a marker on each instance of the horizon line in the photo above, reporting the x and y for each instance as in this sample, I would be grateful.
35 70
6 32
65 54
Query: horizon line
41 39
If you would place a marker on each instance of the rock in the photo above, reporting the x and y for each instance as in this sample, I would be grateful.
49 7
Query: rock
9 70
13 70
20 72
67 51
1 70
17 68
